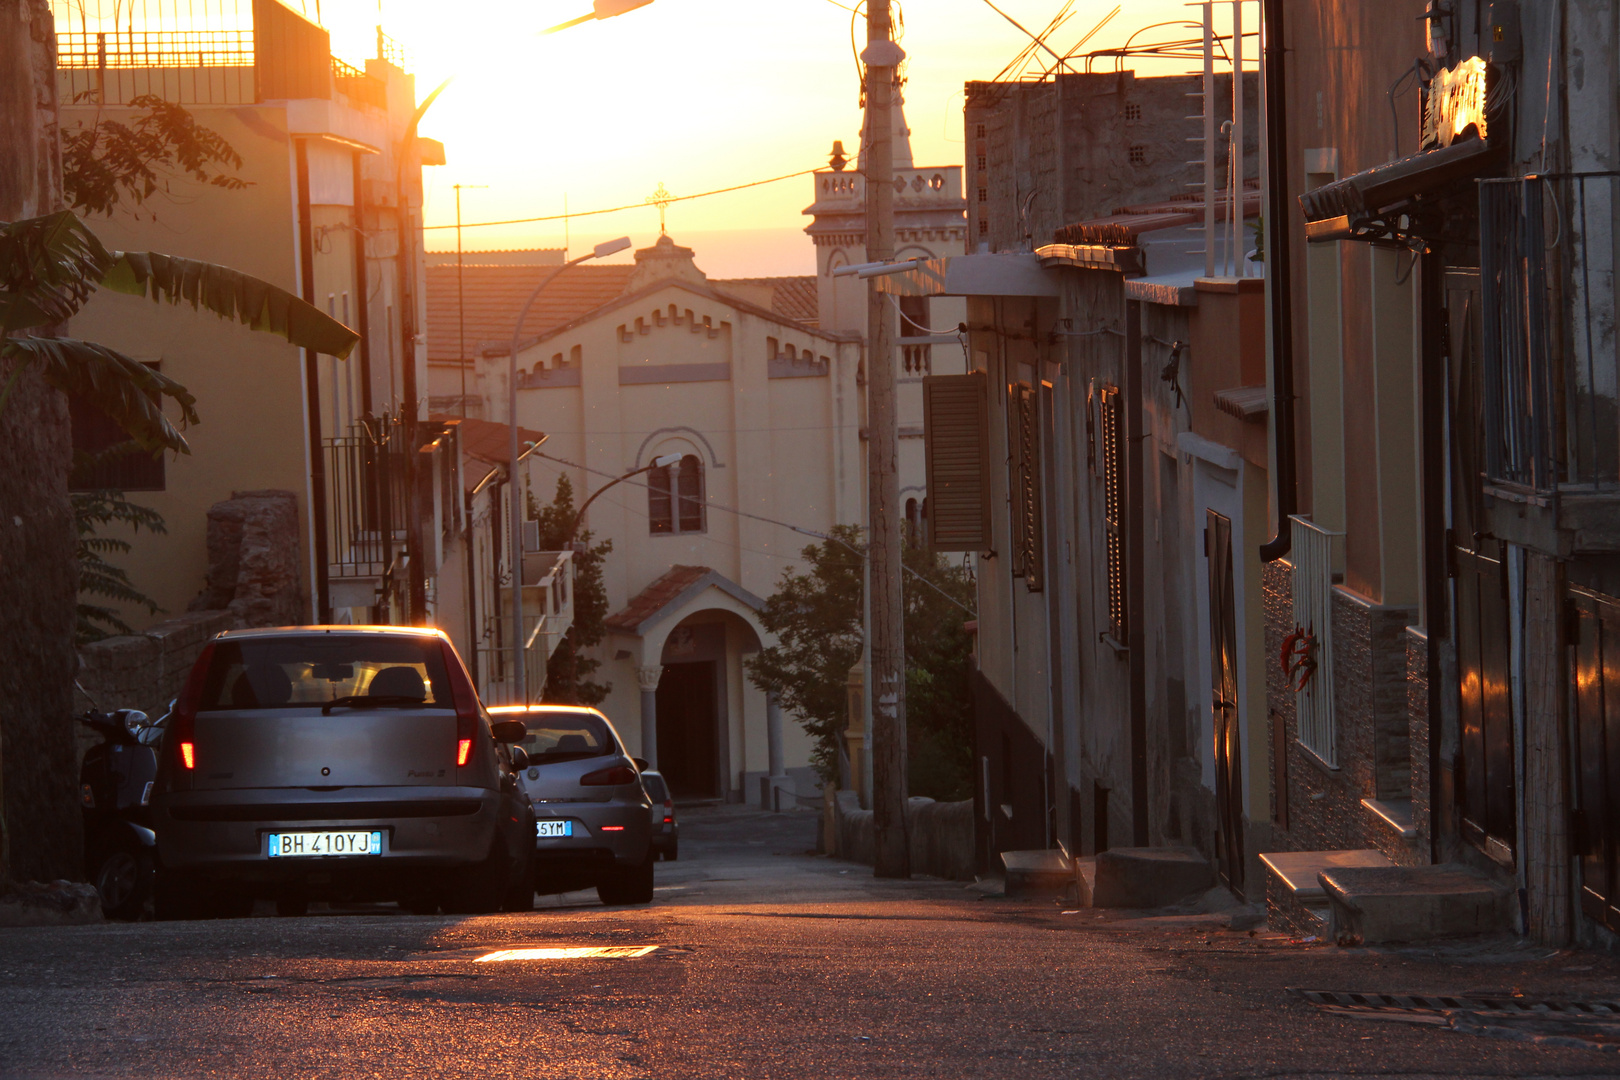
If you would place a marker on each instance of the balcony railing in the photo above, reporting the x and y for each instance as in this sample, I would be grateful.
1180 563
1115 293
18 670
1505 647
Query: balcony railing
1551 414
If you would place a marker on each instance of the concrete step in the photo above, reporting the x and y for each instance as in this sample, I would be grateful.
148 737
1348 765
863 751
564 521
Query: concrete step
1150 877
1042 874
1295 900
1371 905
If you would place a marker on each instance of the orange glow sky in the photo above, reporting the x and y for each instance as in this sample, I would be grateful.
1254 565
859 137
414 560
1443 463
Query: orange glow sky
693 94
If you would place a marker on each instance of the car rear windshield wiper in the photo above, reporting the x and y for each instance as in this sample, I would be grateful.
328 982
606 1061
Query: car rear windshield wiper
371 701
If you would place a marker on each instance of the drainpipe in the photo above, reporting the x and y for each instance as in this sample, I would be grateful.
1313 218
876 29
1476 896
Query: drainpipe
1432 418
1136 640
1279 274
312 390
362 288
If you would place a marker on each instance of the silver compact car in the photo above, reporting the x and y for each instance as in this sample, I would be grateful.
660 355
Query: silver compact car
666 831
341 762
592 816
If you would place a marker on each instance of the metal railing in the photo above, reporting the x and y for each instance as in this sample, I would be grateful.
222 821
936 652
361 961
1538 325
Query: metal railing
497 665
1550 420
1308 657
189 66
366 498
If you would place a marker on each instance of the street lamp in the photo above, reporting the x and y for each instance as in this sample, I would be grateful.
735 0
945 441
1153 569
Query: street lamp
663 461
601 251
601 9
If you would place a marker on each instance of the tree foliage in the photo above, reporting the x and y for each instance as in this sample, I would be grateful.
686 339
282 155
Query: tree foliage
816 615
111 163
568 673
99 578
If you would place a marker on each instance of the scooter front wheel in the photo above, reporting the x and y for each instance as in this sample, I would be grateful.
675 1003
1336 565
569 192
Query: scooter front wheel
124 880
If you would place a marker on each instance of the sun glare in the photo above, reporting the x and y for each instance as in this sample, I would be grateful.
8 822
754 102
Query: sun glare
587 952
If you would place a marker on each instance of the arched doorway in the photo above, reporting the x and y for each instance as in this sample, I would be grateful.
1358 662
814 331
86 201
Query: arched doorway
694 710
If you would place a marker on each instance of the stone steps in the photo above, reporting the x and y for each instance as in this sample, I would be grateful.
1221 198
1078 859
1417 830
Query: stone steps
1037 874
1296 902
1372 905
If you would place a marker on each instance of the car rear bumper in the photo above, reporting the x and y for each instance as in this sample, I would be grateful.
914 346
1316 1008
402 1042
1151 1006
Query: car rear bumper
223 834
612 829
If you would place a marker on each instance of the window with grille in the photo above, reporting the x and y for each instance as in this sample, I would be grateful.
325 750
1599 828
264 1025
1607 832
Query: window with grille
984 195
956 447
1133 111
1138 155
675 498
111 460
981 161
1310 656
1111 440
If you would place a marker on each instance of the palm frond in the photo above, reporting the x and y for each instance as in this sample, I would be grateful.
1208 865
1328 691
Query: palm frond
229 294
87 631
49 266
100 507
125 389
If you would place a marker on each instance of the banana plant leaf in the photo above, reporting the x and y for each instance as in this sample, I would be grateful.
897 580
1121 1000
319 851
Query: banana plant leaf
49 266
128 391
230 294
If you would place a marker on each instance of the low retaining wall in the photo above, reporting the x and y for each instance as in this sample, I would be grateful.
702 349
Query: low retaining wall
941 835
144 671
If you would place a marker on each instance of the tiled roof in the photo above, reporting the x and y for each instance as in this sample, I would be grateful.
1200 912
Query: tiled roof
649 601
495 293
487 445
791 297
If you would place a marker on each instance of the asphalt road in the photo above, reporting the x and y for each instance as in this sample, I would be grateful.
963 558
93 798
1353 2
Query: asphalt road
767 962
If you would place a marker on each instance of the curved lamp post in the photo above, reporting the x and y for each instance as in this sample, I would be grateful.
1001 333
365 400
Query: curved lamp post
663 461
516 513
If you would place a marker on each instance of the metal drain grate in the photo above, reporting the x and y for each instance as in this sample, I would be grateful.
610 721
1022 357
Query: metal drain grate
1591 1025
1441 1003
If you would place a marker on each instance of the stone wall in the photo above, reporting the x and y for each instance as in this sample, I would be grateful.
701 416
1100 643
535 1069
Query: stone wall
253 572
144 671
942 835
1417 708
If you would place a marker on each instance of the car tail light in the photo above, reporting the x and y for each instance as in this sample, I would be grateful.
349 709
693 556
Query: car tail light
466 701
667 820
613 828
618 774
183 721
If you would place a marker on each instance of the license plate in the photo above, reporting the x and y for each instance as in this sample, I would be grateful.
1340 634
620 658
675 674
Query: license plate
553 828
296 844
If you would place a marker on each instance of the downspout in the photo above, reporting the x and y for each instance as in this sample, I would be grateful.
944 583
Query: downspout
362 289
1136 639
312 390
1436 583
1280 275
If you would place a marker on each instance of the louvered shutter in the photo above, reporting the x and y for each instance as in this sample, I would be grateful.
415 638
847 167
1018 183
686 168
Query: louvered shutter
956 440
1111 448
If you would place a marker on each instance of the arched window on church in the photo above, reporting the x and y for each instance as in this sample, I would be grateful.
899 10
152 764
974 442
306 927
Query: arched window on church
676 499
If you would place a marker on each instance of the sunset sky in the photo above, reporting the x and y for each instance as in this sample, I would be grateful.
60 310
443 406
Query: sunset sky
693 94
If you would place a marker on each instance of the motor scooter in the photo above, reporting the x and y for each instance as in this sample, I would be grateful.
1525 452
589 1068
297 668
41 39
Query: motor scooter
115 795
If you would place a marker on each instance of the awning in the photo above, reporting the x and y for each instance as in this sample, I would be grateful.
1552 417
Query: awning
1365 206
1012 274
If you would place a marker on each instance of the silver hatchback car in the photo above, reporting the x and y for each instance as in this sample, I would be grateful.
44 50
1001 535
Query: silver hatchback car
592 816
337 763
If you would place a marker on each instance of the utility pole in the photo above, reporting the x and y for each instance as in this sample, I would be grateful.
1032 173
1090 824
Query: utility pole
885 630
461 302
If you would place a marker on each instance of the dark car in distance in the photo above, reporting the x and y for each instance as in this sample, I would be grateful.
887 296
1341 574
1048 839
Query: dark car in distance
337 762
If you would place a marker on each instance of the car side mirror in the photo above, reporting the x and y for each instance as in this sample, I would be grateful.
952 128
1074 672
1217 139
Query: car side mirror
642 764
509 731
520 758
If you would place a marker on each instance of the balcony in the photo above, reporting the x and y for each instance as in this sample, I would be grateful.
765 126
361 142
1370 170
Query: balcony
1548 378
548 612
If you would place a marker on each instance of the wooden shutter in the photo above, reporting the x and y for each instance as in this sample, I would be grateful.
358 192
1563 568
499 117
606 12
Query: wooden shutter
1023 446
956 442
1111 440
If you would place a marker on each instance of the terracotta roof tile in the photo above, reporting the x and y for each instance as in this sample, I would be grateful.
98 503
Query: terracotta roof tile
791 297
649 601
495 293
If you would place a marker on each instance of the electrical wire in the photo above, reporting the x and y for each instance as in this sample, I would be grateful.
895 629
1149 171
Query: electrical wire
760 517
628 206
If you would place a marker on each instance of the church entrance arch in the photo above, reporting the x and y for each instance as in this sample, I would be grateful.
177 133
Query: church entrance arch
693 710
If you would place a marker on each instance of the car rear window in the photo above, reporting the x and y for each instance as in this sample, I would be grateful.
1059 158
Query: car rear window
655 786
566 737
287 672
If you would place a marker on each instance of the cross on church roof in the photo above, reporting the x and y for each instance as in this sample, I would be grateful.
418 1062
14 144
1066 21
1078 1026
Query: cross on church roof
661 199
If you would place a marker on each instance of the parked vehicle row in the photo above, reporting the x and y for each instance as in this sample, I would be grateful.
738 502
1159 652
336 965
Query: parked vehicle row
357 763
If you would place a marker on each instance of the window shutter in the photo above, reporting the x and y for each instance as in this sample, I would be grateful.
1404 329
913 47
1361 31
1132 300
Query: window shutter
1111 440
1023 449
956 441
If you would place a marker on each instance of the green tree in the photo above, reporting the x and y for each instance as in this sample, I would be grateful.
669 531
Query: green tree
99 578
569 671
816 616
110 163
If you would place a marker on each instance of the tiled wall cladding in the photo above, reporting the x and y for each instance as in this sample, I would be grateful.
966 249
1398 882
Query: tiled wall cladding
1371 695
